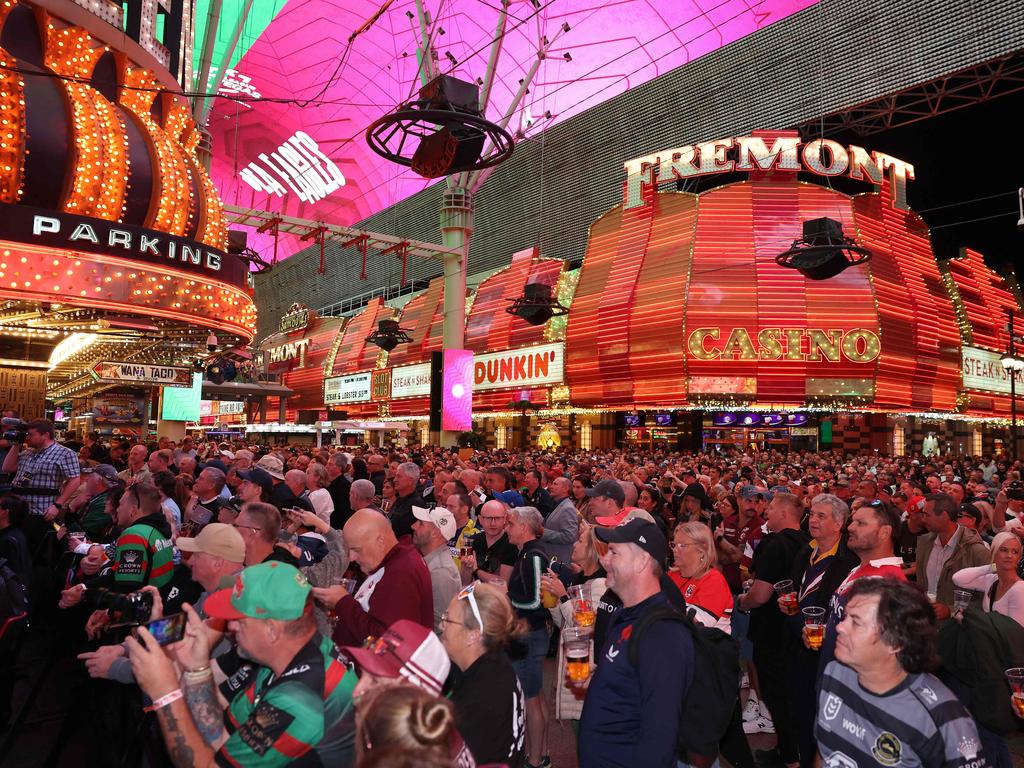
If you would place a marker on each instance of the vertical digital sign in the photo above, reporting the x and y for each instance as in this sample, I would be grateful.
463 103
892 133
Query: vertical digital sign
457 394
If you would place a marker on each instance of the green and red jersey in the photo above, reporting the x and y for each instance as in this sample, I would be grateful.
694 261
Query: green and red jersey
145 553
305 717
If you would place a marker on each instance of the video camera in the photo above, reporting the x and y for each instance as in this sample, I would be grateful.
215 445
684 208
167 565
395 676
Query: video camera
14 429
131 609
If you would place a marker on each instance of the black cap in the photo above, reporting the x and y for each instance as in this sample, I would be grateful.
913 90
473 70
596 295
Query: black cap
1015 491
637 531
970 510
259 476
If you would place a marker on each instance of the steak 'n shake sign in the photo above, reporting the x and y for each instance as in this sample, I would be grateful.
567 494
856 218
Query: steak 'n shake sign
983 370
823 157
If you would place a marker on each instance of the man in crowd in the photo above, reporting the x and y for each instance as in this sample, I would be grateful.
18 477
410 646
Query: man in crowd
460 505
870 536
93 517
493 555
878 704
397 584
206 499
631 713
361 495
259 524
407 488
339 486
562 523
375 464
161 461
137 470
944 550
607 500
296 705
773 562
536 494
47 474
430 534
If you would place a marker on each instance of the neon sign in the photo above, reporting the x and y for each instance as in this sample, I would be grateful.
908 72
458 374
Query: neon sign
300 164
533 366
751 153
858 345
289 351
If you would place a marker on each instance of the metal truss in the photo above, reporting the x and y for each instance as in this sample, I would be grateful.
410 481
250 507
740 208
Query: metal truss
267 221
975 85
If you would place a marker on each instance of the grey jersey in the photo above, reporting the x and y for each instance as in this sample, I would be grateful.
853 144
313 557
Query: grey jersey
918 723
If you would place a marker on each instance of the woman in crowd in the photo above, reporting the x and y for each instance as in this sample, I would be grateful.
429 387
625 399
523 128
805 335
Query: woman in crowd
1002 588
580 484
650 501
588 572
171 502
319 496
525 526
476 629
387 494
406 725
695 572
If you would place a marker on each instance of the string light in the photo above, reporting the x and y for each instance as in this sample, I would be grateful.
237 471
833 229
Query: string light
12 126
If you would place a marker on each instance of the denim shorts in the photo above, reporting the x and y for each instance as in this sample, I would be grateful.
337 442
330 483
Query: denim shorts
530 668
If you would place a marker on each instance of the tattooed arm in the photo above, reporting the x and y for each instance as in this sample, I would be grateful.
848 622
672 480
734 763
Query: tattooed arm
185 744
206 709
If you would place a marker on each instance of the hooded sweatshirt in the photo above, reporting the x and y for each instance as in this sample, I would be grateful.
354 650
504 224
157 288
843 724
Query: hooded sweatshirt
144 554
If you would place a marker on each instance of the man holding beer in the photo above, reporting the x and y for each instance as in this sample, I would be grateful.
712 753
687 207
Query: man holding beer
773 563
878 704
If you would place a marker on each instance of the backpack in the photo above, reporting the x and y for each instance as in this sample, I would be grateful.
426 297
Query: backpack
710 702
13 597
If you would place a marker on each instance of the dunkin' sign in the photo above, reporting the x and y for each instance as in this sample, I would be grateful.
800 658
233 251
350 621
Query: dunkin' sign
530 367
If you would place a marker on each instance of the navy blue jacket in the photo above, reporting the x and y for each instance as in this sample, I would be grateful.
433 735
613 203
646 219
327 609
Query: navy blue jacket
631 716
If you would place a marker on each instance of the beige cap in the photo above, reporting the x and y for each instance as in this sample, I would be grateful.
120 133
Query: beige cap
218 540
272 466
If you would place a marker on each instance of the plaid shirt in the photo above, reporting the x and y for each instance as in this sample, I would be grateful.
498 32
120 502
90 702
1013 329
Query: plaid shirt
48 468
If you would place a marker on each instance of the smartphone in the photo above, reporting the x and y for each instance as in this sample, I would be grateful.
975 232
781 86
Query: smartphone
169 629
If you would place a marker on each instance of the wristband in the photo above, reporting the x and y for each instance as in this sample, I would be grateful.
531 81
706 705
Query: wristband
563 599
163 701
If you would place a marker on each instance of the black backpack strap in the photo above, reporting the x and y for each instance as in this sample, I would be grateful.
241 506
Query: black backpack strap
661 613
992 595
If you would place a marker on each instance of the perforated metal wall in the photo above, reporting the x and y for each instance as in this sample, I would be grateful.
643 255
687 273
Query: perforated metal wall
822 60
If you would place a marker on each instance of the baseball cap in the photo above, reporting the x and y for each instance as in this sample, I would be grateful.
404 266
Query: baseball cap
439 516
216 539
629 513
271 590
642 533
609 489
258 476
1015 491
753 491
105 471
272 465
405 650
227 455
969 510
510 498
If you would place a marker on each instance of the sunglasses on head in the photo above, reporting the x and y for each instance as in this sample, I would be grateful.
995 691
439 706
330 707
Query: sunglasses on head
467 594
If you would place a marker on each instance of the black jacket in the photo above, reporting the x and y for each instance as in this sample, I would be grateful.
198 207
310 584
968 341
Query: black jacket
402 517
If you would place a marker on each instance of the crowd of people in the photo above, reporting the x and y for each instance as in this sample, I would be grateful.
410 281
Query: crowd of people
268 605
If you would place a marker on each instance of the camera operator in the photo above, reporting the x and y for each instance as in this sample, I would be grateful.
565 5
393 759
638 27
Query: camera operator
47 474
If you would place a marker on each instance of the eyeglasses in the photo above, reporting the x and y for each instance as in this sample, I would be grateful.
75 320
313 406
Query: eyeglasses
467 594
683 546
446 620
250 527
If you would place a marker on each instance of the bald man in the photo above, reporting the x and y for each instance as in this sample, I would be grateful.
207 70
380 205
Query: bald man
397 584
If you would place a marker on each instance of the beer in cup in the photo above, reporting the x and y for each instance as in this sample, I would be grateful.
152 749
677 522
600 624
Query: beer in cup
577 653
787 597
814 626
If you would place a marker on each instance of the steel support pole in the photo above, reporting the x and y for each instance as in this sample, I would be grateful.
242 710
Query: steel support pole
456 233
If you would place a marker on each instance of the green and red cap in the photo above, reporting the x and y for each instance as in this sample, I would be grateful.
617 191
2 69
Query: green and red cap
266 591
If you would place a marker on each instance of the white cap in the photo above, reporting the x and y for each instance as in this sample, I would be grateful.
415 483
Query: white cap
439 516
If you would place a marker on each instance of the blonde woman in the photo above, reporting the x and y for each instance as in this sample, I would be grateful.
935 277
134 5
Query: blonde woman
694 570
488 700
